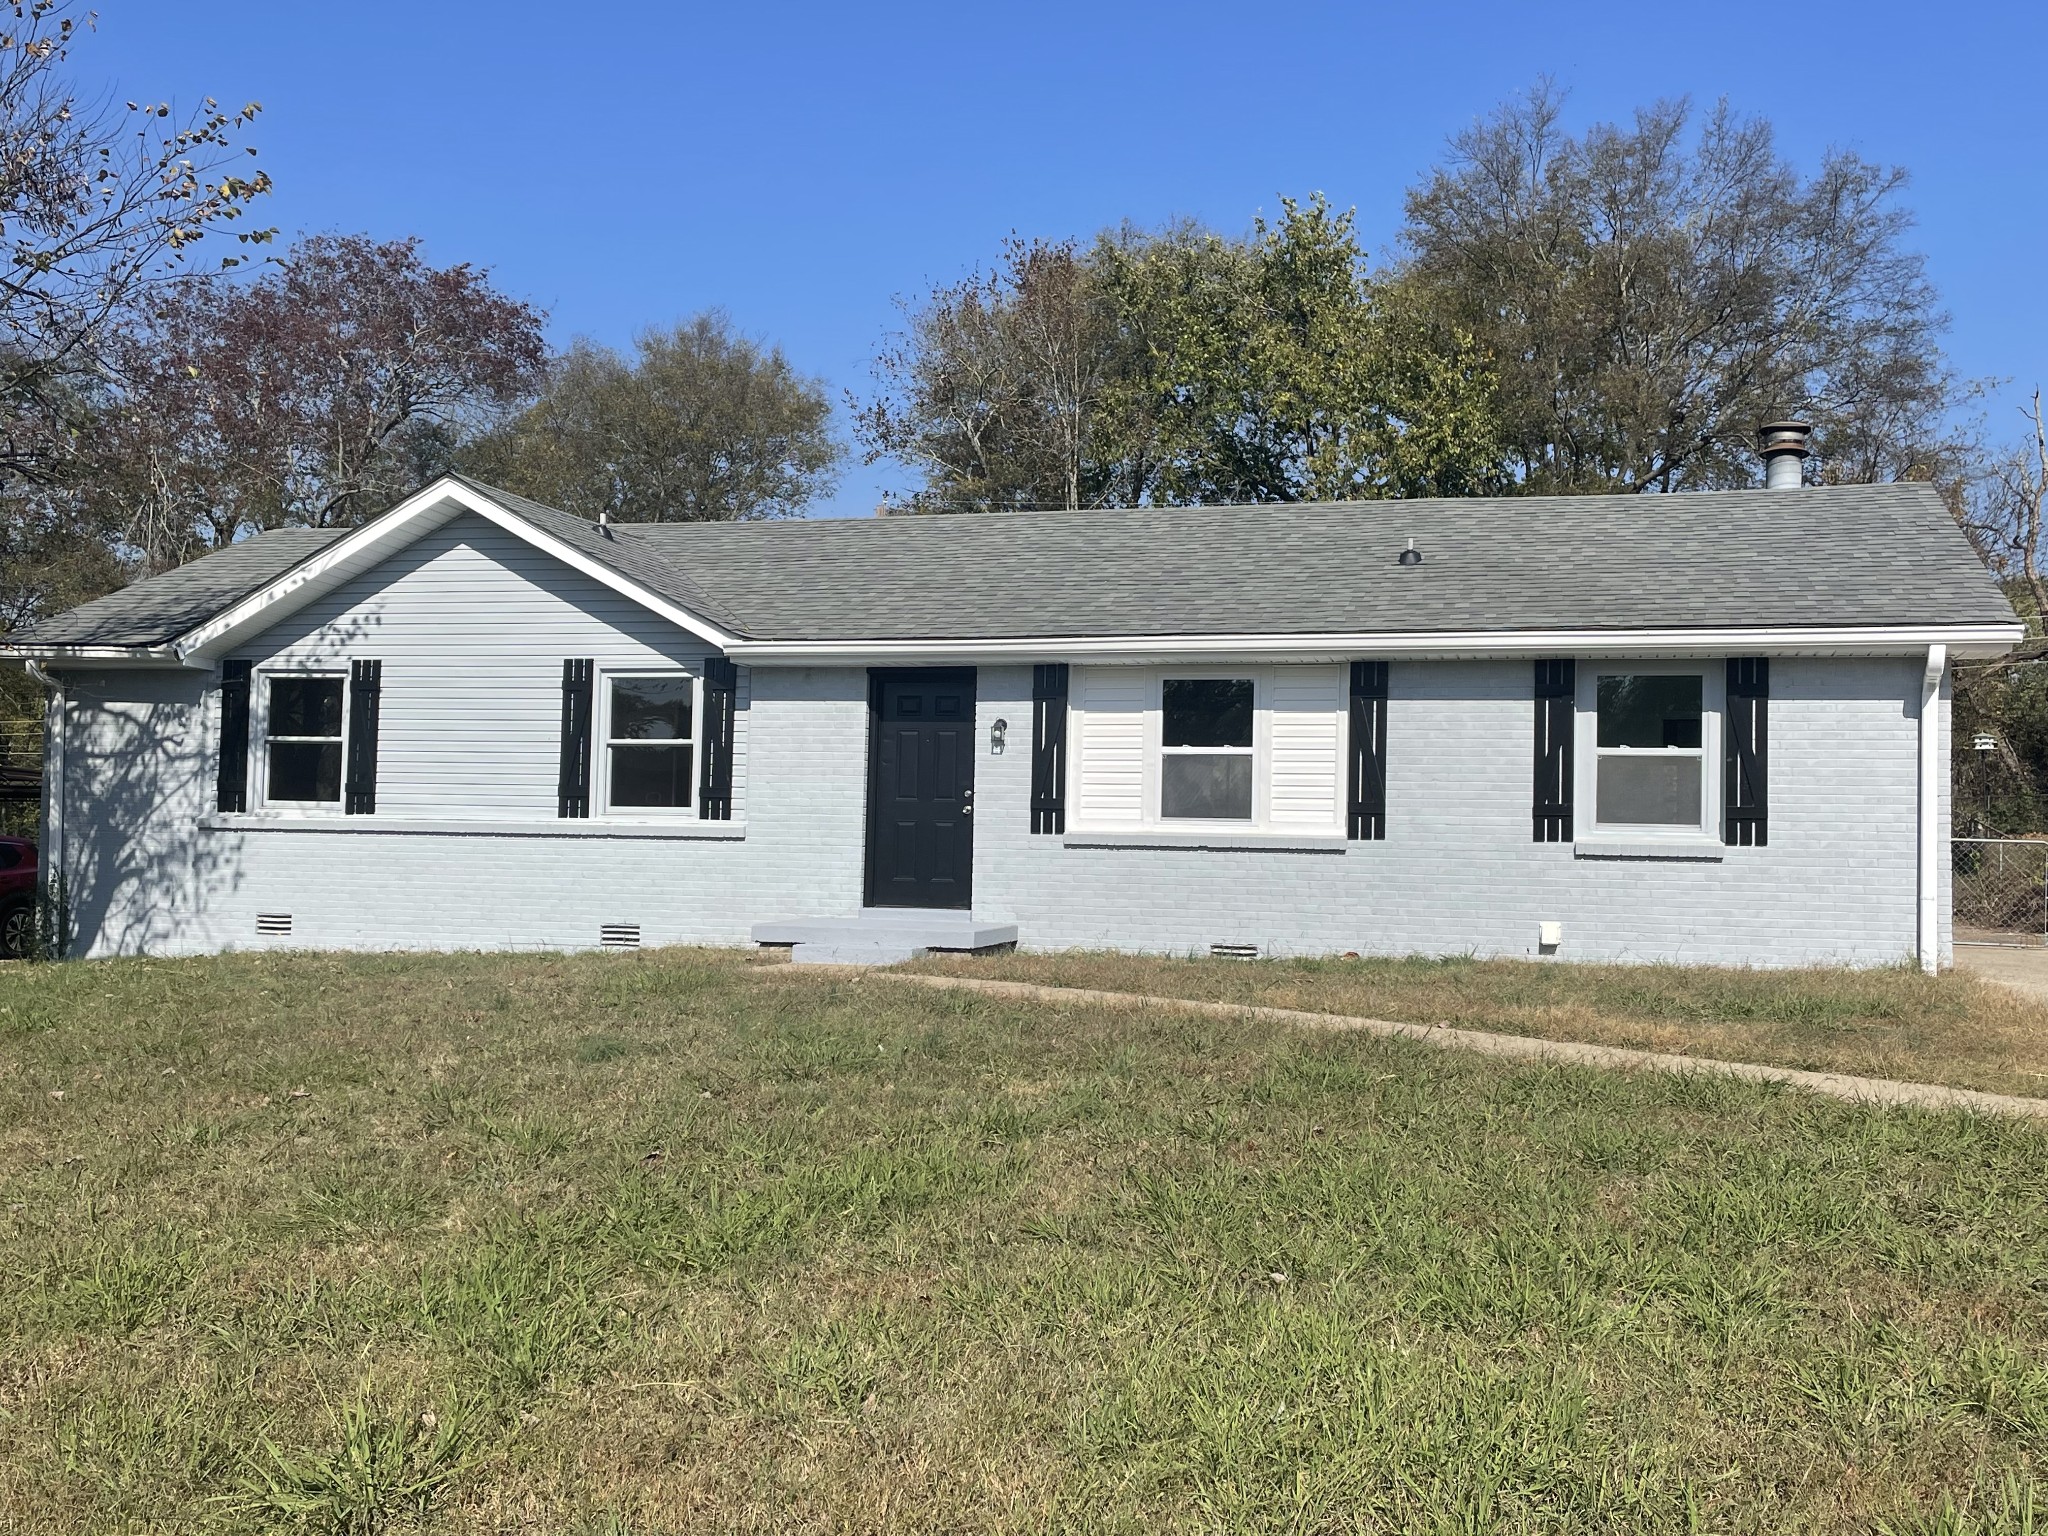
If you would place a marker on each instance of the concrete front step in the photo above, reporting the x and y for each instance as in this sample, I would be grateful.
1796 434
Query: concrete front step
882 936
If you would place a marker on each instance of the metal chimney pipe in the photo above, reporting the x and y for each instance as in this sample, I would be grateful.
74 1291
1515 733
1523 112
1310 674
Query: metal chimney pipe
1785 446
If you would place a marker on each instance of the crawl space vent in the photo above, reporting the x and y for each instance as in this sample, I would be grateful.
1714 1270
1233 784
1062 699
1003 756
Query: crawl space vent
619 935
1234 951
274 925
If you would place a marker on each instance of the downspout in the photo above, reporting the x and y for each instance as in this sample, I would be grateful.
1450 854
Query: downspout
52 840
1931 769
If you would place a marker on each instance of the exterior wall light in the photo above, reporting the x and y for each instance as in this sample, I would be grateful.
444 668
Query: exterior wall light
998 736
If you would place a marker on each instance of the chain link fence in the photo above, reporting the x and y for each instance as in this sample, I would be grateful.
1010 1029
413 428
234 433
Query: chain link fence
2001 890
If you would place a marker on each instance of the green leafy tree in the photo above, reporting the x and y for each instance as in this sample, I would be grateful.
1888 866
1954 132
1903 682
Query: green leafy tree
1652 293
700 424
1276 369
1181 366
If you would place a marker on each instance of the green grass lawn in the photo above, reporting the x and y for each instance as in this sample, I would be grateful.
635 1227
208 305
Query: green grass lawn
1955 1028
670 1243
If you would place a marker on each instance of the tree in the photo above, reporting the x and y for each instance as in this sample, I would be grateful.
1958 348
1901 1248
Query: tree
98 208
997 388
1651 294
701 424
1180 366
1278 370
2003 511
315 395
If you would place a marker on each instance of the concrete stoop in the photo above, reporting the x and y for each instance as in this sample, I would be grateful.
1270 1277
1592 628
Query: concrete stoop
883 936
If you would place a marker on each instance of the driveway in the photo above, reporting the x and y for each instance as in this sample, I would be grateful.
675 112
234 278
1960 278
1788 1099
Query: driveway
2023 969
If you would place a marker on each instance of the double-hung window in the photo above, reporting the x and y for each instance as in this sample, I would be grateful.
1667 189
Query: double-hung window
649 741
303 724
1654 748
1205 749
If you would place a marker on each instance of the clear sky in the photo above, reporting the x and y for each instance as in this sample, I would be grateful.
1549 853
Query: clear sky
802 165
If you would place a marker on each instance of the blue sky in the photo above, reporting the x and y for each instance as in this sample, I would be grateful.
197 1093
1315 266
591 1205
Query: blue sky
628 164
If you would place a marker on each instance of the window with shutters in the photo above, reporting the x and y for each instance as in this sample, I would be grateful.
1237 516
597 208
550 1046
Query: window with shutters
1221 749
1649 750
303 736
648 727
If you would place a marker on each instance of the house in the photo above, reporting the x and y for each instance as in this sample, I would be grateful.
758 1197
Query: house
1706 727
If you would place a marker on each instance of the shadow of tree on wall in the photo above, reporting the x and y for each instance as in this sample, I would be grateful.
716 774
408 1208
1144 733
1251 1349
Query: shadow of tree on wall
138 871
136 868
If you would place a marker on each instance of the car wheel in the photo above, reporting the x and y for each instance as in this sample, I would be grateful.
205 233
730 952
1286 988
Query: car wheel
17 930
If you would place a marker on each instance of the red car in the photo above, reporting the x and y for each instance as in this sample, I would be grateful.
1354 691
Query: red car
17 897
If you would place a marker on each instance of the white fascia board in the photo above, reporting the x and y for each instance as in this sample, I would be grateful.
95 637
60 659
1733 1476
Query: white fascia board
1961 639
92 655
377 541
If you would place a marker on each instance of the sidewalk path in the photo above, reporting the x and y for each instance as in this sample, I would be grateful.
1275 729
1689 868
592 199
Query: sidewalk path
1839 1085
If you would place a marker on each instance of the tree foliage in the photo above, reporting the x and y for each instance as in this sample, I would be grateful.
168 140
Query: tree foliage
1652 293
1180 366
316 395
101 208
701 424
97 208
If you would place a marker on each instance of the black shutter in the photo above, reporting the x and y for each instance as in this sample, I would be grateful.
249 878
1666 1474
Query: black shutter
714 784
1744 822
1556 698
572 788
365 692
231 782
1367 821
1049 747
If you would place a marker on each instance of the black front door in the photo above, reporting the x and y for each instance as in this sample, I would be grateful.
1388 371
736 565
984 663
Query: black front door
921 789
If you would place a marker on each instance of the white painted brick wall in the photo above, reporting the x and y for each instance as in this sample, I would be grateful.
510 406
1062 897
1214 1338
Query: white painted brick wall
1458 872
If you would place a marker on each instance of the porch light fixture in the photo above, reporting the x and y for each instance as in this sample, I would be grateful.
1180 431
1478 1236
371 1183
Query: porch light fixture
998 735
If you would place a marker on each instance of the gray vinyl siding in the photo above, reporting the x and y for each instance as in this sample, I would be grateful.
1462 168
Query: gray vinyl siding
472 626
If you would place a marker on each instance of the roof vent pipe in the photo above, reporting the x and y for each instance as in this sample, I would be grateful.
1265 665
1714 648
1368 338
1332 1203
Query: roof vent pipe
1411 555
1784 445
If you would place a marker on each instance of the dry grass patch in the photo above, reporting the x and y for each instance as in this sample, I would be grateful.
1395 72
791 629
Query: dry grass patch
1954 1028
649 1243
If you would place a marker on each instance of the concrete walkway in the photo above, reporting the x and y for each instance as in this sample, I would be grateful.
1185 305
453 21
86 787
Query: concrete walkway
1838 1085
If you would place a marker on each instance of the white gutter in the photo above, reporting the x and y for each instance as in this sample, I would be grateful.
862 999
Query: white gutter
1974 640
1840 640
1931 770
93 655
51 852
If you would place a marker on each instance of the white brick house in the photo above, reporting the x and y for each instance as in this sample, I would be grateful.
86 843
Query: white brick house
1704 727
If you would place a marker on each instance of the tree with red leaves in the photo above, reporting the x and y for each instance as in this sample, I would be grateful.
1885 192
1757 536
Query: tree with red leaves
317 395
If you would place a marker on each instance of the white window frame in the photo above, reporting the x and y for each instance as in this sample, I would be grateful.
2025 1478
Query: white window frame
259 730
601 744
1713 676
1139 709
1156 750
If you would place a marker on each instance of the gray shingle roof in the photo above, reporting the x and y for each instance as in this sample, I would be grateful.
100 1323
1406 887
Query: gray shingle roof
160 608
1855 555
1849 555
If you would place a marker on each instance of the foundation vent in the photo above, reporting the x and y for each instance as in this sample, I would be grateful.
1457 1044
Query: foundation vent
619 935
1234 951
274 925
